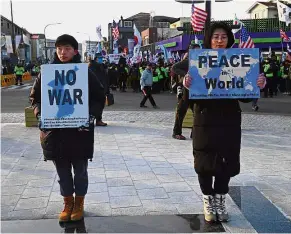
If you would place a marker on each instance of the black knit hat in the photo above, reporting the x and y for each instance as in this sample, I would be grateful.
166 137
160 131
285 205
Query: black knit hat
66 39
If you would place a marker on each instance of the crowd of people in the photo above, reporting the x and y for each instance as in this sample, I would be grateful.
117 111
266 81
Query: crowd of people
278 76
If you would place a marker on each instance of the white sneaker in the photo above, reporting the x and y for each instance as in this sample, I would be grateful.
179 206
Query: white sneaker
209 208
222 214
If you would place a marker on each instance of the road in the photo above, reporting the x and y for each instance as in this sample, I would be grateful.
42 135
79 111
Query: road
15 99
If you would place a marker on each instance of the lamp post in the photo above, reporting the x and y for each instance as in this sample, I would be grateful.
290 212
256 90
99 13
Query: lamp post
45 48
89 39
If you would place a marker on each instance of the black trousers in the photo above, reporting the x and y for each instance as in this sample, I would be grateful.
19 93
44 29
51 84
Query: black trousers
68 185
220 184
18 78
99 117
181 110
135 85
288 85
155 87
147 92
271 87
122 83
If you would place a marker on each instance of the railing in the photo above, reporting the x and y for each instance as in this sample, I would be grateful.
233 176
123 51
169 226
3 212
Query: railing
252 25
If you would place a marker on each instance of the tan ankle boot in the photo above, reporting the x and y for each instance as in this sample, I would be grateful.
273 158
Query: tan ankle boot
65 215
78 211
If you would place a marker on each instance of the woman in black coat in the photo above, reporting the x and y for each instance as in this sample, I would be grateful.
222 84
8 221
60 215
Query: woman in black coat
216 134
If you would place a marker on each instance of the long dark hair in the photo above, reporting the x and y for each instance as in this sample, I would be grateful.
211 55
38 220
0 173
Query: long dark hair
213 27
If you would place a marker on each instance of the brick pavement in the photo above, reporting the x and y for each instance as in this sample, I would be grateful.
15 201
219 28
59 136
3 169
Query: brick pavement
264 122
138 169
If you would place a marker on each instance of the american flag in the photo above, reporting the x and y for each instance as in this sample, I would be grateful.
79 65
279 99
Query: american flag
284 35
198 18
245 40
115 31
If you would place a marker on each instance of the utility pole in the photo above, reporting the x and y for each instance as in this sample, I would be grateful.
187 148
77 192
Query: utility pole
208 19
12 34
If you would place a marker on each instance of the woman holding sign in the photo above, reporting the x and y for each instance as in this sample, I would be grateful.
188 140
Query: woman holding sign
216 133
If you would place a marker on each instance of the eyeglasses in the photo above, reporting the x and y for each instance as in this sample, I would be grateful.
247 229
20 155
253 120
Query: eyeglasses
222 38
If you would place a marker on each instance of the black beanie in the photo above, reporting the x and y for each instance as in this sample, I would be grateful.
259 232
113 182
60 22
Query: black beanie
66 39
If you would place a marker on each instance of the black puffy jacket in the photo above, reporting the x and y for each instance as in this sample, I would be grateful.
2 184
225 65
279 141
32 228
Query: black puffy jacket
69 142
216 132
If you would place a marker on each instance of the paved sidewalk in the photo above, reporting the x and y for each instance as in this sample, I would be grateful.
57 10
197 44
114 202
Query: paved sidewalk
264 122
138 169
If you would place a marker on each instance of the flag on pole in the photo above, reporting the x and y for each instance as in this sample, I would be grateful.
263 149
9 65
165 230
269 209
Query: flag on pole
99 34
197 42
284 35
178 56
245 40
115 47
284 55
163 49
198 18
283 13
137 36
98 48
236 21
115 30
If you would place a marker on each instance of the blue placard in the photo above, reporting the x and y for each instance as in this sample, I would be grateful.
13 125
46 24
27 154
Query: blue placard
64 95
224 73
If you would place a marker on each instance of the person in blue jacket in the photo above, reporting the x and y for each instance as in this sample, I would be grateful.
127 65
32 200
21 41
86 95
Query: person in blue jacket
146 82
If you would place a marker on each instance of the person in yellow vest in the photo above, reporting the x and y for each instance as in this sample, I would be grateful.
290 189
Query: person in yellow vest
156 73
269 71
141 69
36 69
19 71
161 77
286 71
165 73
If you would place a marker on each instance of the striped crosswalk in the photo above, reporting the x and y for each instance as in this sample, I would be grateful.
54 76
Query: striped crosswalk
17 87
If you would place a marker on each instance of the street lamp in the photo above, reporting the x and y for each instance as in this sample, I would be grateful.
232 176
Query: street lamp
45 48
89 38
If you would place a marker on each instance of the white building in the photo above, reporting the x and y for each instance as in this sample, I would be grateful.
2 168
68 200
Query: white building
262 10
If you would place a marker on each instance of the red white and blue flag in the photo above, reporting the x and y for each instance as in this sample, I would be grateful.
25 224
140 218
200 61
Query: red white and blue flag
284 36
115 31
198 18
245 40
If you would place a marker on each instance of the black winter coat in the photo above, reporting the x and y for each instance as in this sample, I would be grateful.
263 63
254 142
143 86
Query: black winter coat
216 133
69 142
101 72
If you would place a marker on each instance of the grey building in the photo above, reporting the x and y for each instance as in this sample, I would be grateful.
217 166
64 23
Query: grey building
21 40
142 21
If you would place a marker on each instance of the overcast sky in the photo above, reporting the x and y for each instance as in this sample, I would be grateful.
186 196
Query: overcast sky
84 16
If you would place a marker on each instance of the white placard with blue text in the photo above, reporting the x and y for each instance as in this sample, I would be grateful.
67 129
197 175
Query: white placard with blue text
64 95
224 73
